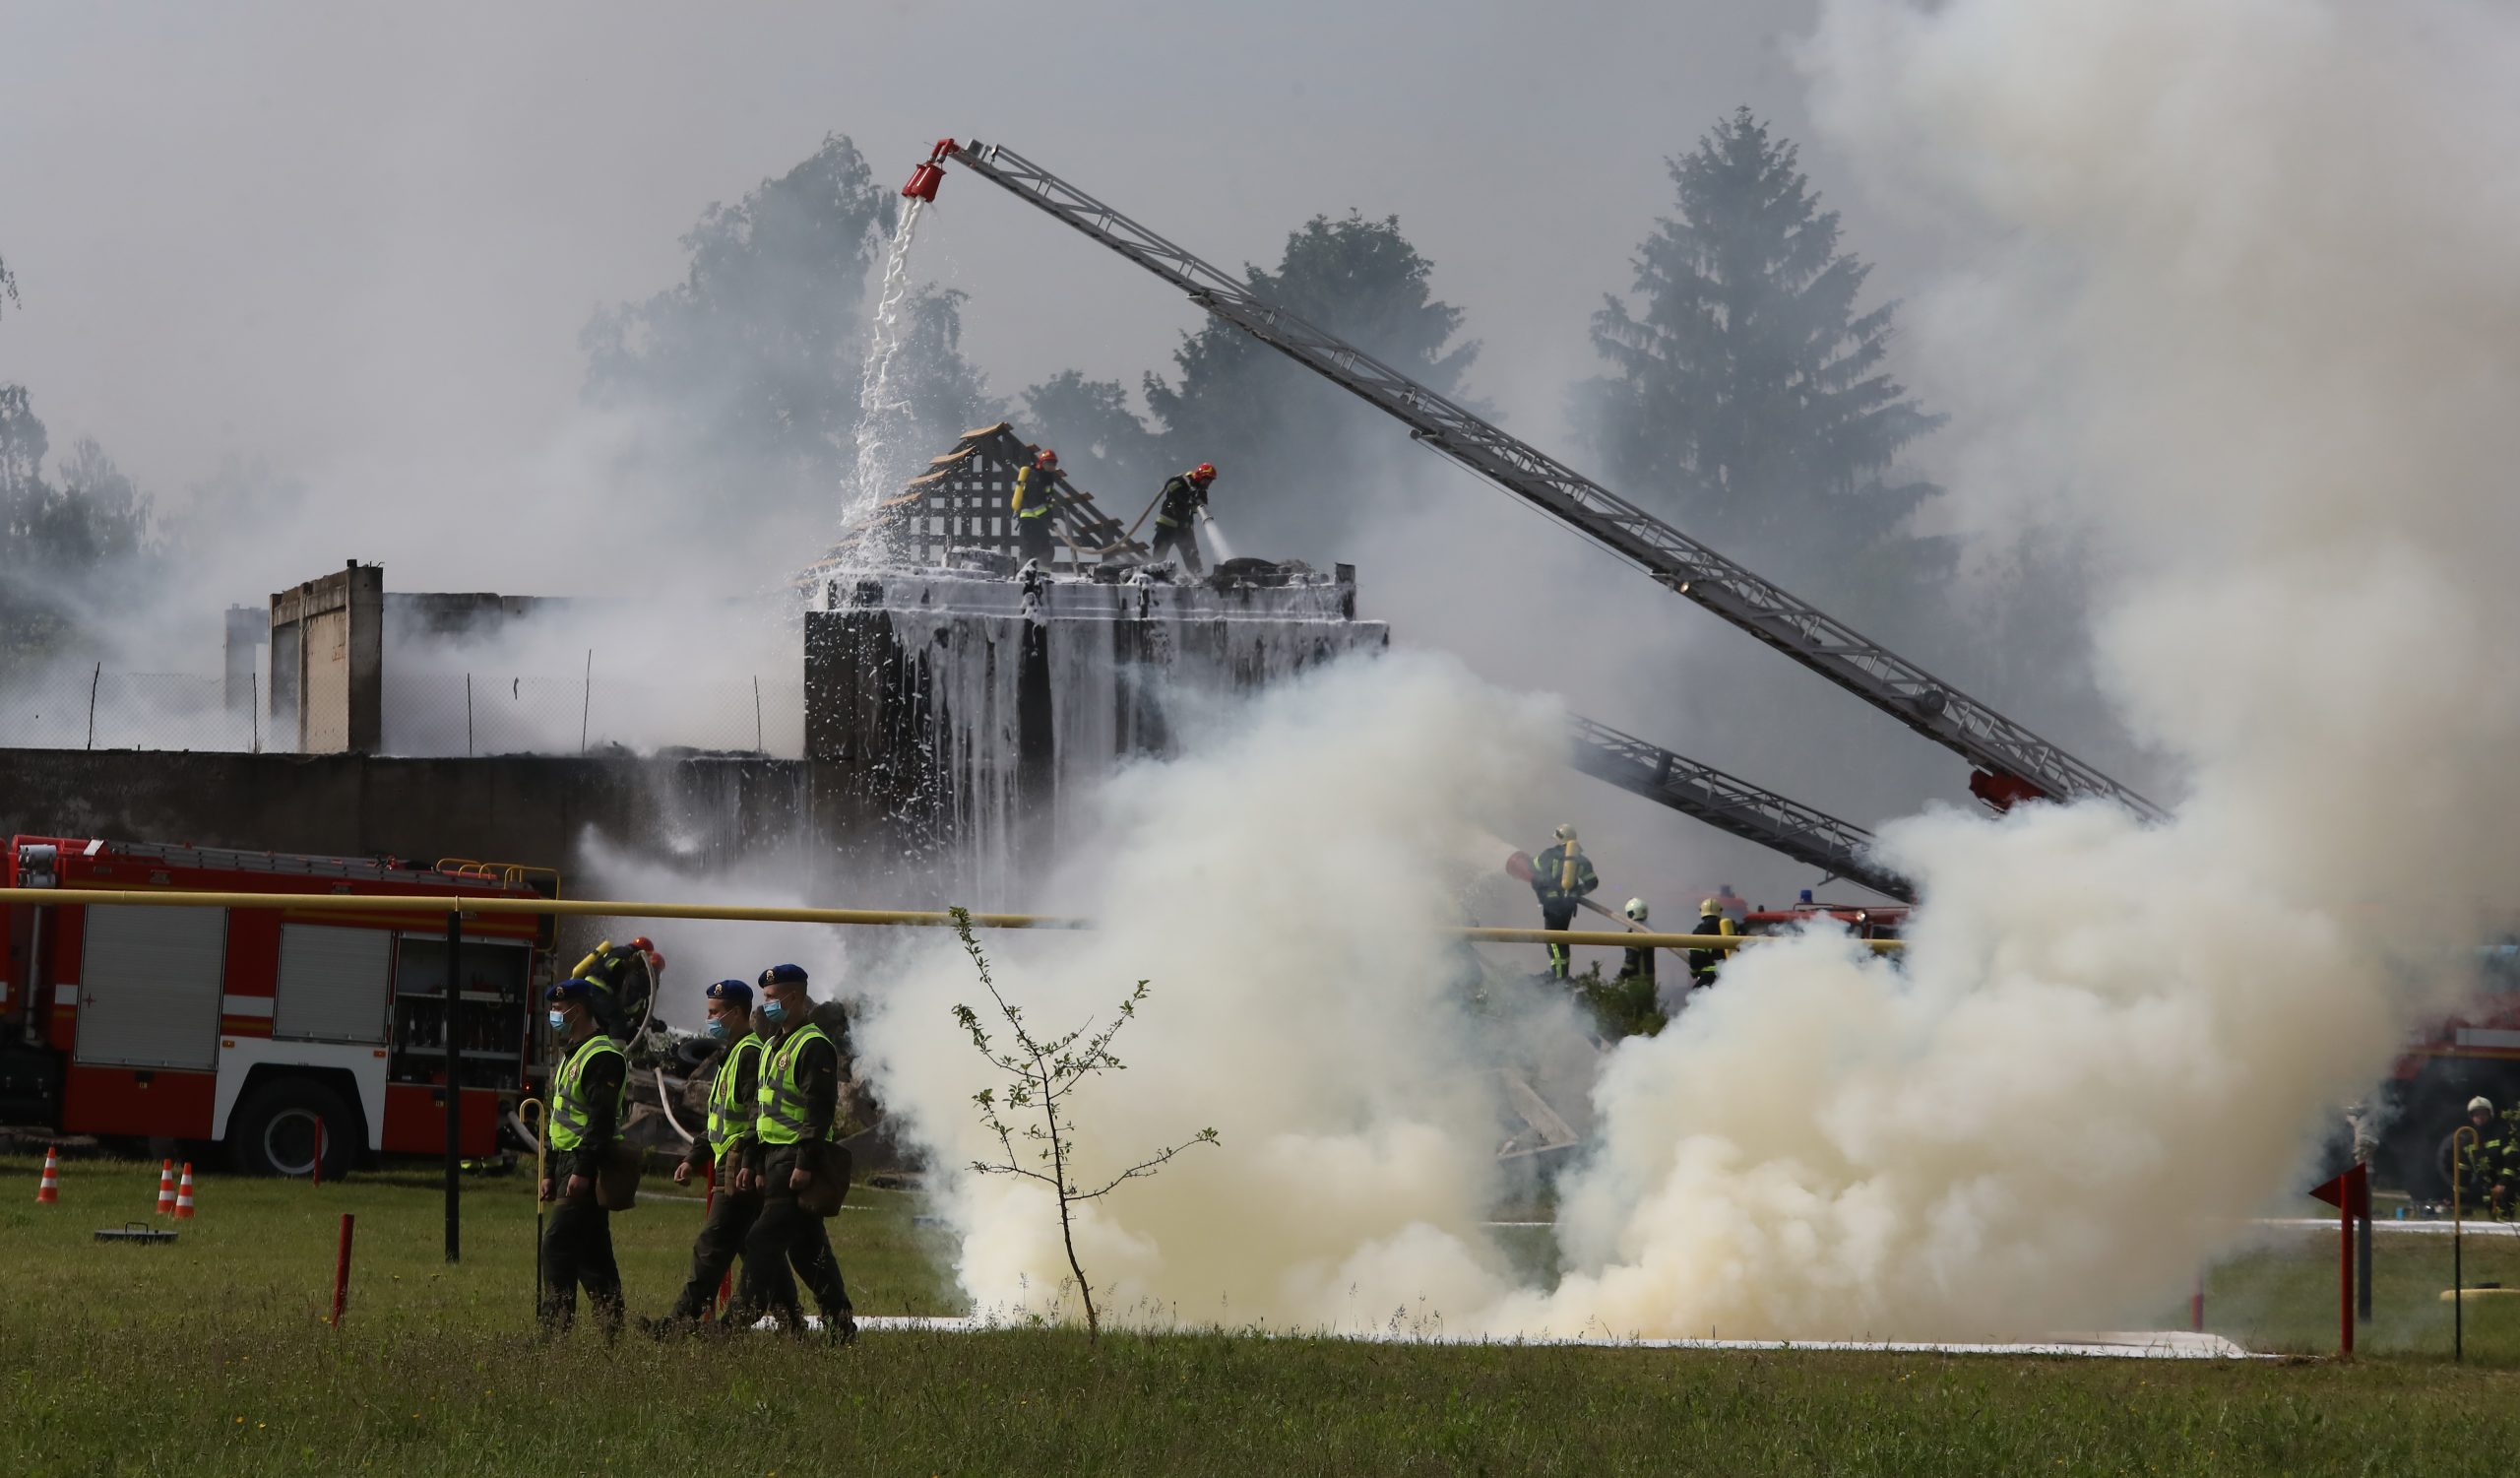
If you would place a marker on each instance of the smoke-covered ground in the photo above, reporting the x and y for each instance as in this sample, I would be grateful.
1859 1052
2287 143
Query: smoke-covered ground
2232 297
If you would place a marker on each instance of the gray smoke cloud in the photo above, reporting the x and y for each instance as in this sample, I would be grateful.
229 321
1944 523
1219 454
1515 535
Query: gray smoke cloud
387 265
2184 307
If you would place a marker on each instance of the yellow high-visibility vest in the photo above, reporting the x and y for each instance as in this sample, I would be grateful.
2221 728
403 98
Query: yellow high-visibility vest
570 1111
782 1118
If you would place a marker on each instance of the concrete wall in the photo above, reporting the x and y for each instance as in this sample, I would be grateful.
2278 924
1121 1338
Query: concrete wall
328 662
704 810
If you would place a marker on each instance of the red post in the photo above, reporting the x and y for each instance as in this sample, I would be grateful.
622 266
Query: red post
2344 1274
2351 1195
726 1279
342 1272
2197 1304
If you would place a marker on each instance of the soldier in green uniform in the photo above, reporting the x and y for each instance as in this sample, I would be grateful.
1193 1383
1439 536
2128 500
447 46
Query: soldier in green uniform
588 1095
732 1104
798 1106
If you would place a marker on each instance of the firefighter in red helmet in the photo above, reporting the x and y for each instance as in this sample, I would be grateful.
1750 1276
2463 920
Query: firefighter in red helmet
1186 498
1035 488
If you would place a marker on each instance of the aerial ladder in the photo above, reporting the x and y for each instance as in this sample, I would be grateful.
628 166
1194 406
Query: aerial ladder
2008 762
1731 804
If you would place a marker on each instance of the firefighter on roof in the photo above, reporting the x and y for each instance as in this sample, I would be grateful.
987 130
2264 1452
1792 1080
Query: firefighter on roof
1184 498
798 1111
732 1096
1035 486
1561 877
589 1093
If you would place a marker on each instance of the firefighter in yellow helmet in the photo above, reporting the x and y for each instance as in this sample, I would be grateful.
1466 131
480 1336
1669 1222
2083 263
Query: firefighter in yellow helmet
1710 919
1036 491
1561 877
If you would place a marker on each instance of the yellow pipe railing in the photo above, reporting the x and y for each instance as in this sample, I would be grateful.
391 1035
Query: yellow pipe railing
441 904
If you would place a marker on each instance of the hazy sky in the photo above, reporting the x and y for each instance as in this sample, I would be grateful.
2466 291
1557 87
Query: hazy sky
362 242
341 235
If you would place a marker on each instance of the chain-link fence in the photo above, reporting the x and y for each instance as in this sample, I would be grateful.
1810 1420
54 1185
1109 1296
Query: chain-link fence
90 708
464 713
424 714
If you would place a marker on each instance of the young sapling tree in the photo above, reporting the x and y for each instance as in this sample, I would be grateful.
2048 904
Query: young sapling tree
1042 1075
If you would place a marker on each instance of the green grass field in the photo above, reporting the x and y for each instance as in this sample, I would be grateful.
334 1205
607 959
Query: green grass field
211 1356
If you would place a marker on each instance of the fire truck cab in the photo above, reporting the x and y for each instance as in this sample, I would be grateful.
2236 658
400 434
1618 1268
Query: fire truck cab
1864 920
251 1026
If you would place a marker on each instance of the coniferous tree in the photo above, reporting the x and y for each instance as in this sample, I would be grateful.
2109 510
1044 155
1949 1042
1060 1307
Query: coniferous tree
1751 399
1296 454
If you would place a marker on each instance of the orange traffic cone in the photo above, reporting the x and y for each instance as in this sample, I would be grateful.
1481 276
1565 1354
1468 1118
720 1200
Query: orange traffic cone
49 1192
165 1188
184 1196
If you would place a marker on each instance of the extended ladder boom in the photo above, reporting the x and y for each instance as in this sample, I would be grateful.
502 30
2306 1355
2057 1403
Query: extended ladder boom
1733 804
2012 762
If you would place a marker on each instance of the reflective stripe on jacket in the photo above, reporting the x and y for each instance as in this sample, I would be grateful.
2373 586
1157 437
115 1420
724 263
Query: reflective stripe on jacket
1027 482
781 1099
728 1119
570 1111
1182 498
1558 876
1708 961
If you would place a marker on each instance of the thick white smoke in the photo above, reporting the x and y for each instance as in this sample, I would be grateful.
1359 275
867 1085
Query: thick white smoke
2231 295
2250 264
2247 261
1276 886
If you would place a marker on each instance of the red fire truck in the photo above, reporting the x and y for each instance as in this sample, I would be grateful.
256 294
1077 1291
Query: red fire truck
1864 920
2446 1063
250 1026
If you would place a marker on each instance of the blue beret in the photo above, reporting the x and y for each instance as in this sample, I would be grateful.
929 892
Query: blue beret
782 975
570 989
734 992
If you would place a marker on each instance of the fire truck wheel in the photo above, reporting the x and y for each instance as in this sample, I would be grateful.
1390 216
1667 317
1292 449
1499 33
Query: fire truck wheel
273 1132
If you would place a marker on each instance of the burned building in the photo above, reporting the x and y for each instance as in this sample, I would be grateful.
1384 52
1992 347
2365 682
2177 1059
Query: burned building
976 701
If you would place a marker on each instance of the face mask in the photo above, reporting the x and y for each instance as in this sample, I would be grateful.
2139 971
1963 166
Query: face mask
559 1021
774 1014
718 1029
